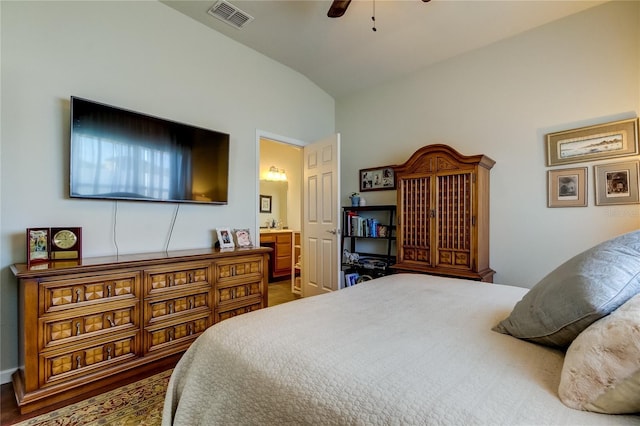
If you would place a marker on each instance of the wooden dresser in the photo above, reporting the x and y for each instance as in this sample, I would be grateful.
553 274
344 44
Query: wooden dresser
443 214
87 325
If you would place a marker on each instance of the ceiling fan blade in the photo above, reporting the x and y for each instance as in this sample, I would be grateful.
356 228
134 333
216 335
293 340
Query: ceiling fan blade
338 8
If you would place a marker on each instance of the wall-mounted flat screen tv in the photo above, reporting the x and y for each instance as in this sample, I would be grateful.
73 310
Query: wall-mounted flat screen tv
122 154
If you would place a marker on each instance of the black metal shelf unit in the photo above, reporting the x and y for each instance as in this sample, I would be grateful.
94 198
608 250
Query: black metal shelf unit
369 231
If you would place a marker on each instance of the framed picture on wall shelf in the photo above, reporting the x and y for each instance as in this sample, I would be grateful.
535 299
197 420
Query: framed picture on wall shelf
617 183
265 203
225 238
609 140
377 179
567 187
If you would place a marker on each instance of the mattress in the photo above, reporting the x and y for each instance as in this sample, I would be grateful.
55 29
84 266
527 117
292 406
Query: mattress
401 349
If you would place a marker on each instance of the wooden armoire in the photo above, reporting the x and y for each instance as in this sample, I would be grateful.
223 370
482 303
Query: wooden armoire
443 214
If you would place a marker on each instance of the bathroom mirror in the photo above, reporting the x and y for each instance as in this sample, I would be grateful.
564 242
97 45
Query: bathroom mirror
277 190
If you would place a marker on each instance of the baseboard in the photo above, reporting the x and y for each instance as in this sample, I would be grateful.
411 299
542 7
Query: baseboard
5 376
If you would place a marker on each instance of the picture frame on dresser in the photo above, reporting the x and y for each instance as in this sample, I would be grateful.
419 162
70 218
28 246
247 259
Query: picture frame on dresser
243 237
225 238
38 245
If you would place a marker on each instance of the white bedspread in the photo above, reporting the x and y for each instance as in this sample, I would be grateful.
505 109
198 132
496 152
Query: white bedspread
403 349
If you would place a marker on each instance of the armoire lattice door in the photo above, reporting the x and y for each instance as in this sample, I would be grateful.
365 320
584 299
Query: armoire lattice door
443 214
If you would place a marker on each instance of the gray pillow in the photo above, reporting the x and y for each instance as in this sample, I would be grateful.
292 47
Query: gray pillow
577 293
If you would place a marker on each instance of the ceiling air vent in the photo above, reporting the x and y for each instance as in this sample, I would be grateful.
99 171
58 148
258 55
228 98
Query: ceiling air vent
230 14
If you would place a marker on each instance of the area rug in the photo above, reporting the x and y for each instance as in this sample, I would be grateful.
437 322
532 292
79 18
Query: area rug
137 404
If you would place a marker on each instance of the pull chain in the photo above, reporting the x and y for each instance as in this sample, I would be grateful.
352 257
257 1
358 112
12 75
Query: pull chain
373 16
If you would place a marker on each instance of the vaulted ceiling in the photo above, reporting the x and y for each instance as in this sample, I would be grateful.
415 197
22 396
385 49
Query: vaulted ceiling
345 55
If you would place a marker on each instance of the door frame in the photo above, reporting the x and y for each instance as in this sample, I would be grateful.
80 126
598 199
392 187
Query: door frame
262 134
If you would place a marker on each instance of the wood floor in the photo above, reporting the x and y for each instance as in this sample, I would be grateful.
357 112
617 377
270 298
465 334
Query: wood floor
279 292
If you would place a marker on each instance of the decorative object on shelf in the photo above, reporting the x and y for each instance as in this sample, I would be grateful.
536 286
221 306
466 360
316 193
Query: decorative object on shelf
225 238
355 199
363 202
377 179
275 174
265 203
567 187
617 183
243 237
609 140
37 245
66 243
350 257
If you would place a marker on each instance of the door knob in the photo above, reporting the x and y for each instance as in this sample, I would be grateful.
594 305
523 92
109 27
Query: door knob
332 231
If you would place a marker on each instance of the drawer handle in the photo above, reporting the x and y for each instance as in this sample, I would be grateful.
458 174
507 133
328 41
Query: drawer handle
170 307
111 323
190 329
77 296
170 335
78 364
109 352
77 328
191 277
170 280
109 290
190 303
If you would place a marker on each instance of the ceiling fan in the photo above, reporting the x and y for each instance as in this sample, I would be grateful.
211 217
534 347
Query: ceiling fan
339 7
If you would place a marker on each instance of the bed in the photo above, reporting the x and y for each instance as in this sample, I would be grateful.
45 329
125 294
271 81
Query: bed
401 349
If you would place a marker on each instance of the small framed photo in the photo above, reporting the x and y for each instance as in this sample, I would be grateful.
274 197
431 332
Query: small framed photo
225 238
265 203
617 183
377 179
38 245
243 237
609 140
567 187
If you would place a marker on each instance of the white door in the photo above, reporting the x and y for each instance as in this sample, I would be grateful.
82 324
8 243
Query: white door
321 217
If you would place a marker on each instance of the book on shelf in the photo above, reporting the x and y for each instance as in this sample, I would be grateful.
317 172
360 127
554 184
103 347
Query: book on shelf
363 227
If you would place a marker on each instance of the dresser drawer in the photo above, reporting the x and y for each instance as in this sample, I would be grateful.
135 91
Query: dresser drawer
162 309
247 268
66 365
222 314
72 292
237 293
174 336
71 329
171 278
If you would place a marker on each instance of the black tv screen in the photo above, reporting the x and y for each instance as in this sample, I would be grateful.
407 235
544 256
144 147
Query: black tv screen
121 154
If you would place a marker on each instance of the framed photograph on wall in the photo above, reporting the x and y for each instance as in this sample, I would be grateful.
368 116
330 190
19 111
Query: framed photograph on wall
225 238
377 179
265 203
617 183
609 140
567 187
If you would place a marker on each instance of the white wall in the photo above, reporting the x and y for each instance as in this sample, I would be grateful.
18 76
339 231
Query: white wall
501 100
146 57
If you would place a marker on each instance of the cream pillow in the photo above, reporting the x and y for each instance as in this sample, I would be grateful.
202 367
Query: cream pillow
601 370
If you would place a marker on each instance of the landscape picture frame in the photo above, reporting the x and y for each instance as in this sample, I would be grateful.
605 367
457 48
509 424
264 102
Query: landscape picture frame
377 179
617 183
598 142
567 187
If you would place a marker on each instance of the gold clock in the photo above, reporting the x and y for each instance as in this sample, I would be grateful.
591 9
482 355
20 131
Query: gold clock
66 243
